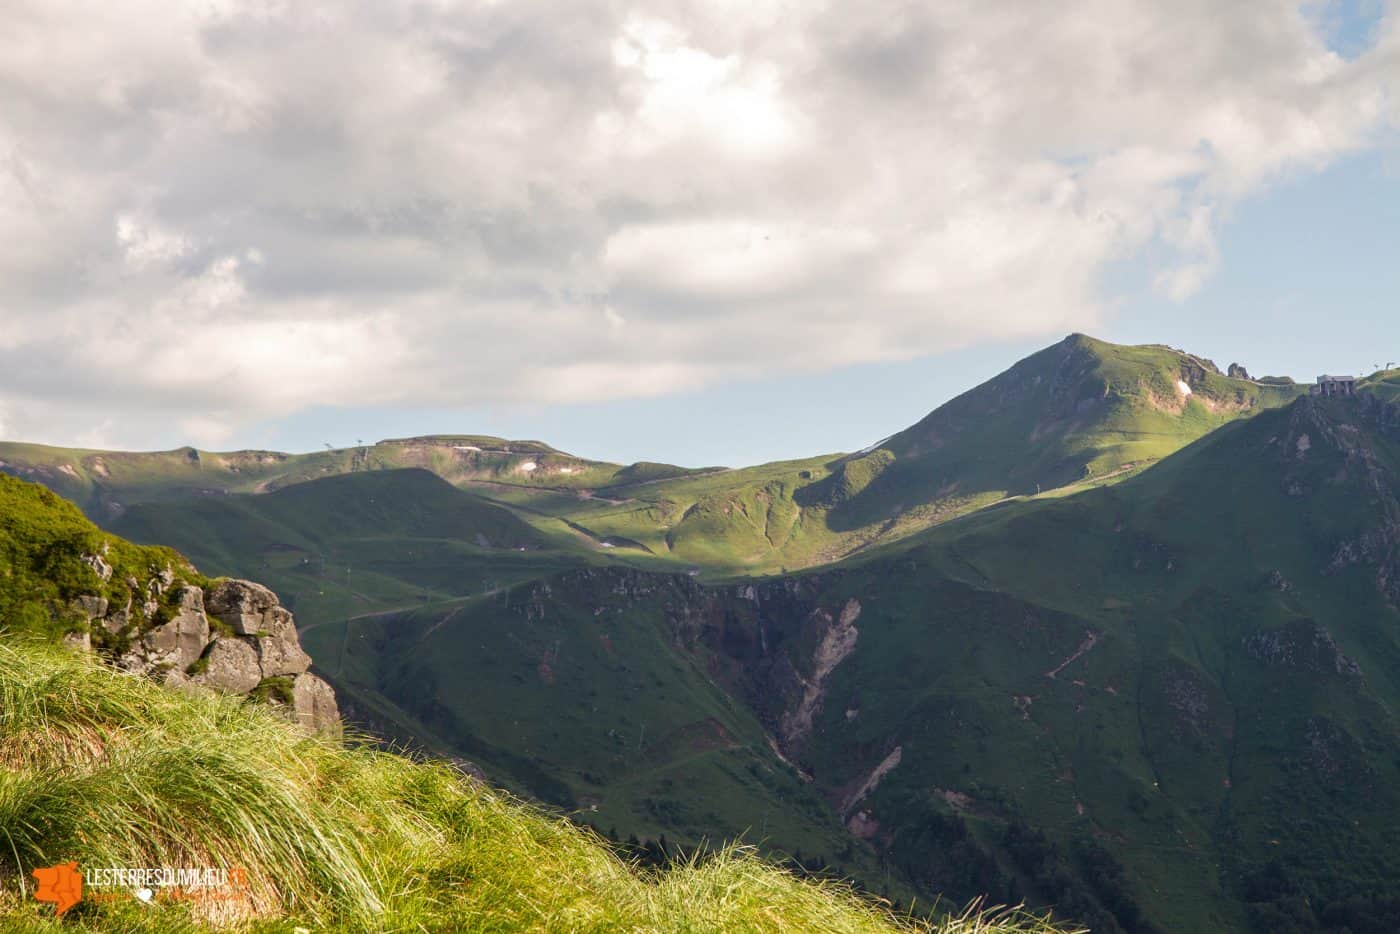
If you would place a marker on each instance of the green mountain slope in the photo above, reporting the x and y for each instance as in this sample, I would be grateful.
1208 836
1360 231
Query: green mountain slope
1162 704
1383 385
106 769
106 483
555 691
355 543
1191 675
1081 410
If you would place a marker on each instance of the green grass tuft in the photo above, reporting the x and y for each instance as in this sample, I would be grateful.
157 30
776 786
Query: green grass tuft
112 770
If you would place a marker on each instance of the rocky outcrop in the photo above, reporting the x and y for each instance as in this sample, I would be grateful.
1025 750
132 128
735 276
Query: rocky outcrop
1301 646
243 606
236 638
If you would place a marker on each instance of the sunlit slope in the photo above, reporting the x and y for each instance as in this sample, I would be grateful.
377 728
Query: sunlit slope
1081 410
105 483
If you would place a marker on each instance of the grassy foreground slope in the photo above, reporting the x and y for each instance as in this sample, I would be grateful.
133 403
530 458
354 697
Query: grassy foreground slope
111 770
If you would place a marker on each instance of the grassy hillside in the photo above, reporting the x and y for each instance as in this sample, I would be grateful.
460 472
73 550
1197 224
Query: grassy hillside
1384 385
1160 704
1081 410
106 483
49 554
564 692
356 543
1185 682
110 770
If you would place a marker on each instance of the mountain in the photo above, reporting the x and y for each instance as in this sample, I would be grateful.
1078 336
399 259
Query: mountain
1162 704
1193 671
1079 411
106 483
1077 638
354 543
103 769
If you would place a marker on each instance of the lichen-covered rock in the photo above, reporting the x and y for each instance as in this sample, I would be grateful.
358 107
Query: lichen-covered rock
91 607
231 666
186 635
279 651
99 567
186 651
313 703
242 605
281 657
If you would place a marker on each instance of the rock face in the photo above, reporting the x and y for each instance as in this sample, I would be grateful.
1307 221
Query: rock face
182 640
313 703
252 642
243 605
231 665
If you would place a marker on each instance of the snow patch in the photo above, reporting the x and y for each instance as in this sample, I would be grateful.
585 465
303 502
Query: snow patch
528 466
1183 387
465 447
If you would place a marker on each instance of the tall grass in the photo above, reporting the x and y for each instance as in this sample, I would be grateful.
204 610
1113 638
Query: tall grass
111 770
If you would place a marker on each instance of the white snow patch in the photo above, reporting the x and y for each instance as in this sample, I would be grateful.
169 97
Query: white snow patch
528 466
566 470
465 447
1183 387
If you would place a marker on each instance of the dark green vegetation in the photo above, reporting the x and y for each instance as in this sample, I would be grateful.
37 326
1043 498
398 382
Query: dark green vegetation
106 768
356 543
1113 632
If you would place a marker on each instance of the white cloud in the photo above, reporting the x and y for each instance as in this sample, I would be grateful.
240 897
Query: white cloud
145 246
218 213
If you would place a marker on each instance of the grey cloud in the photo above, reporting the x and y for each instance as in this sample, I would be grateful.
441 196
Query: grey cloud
221 213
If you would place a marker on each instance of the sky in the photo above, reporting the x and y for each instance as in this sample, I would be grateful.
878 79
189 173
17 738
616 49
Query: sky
717 233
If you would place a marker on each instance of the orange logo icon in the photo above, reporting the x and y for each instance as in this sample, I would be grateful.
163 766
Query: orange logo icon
61 884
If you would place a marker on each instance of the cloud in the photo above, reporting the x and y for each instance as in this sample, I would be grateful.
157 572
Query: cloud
220 213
